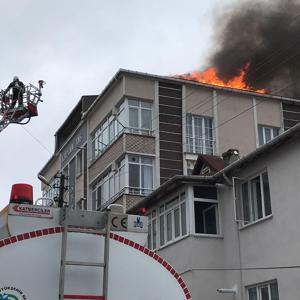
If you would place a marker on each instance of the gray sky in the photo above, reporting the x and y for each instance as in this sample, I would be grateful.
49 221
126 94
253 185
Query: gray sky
76 47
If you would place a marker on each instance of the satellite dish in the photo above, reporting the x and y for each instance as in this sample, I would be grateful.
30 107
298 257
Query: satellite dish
44 180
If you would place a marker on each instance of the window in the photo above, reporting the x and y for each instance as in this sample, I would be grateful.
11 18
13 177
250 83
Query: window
199 135
139 117
265 291
109 186
256 200
266 134
105 134
168 222
134 116
79 162
140 174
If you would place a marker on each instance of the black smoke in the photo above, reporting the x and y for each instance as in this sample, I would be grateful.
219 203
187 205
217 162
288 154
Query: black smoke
264 35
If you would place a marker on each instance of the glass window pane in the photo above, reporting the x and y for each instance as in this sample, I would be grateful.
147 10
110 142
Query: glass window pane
133 117
133 158
149 236
111 187
171 203
105 137
122 177
98 197
147 178
260 135
274 291
275 132
146 119
264 293
210 219
154 233
256 198
246 202
146 160
252 294
133 103
267 134
134 175
117 183
112 130
146 104
183 219
162 230
121 120
176 223
169 226
205 217
266 191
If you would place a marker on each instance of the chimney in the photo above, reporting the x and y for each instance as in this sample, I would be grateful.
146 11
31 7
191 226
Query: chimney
230 156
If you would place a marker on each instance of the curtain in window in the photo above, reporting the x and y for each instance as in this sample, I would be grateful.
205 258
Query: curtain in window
146 119
147 178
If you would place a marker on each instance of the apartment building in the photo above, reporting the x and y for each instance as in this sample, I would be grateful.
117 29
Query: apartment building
235 229
143 129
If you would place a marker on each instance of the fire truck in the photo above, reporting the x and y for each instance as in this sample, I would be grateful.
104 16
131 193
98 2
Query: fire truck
50 252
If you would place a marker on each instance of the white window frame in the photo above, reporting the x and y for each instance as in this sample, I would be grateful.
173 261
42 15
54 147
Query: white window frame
140 190
264 128
259 287
218 216
204 140
112 175
253 218
97 135
140 108
156 214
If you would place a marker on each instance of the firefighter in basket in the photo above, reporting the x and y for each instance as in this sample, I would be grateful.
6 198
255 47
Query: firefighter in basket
18 88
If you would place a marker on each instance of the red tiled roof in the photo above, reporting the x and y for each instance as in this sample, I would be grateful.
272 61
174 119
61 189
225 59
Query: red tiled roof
215 163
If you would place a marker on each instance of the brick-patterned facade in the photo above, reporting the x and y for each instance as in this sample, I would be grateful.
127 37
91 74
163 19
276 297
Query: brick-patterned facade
132 200
140 144
113 152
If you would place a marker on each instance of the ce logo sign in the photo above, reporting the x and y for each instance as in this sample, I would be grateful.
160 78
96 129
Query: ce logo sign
119 222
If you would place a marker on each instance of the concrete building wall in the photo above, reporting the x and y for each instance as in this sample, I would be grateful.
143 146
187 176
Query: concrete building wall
269 112
269 243
105 106
236 132
199 101
143 88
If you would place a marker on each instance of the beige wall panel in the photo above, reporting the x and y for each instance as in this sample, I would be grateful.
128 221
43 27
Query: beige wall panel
199 101
105 105
111 154
140 144
139 87
238 133
269 112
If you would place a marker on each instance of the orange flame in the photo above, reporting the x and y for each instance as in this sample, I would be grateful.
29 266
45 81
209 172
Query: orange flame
210 76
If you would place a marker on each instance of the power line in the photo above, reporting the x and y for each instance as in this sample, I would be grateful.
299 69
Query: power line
37 140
